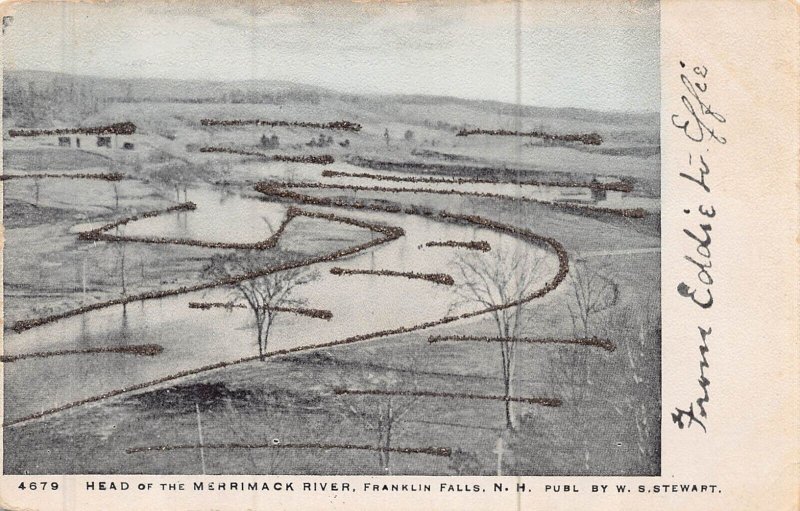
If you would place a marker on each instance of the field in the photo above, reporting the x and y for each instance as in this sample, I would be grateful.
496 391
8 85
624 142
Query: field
288 413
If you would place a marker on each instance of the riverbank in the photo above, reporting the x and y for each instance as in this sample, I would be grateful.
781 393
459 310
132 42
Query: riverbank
291 400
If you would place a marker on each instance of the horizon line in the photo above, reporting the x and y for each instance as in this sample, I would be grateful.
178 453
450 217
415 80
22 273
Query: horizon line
337 91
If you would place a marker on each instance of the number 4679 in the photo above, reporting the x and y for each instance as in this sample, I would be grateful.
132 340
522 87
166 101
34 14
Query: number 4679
38 486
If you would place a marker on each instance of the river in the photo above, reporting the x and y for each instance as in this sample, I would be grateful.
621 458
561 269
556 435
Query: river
193 338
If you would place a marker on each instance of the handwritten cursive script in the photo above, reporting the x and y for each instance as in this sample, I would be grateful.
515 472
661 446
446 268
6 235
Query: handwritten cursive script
698 119
700 124
678 415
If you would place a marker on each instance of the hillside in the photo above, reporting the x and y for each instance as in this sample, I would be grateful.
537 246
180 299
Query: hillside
72 98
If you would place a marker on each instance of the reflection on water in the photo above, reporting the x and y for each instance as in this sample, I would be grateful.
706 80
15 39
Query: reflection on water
224 217
192 338
302 172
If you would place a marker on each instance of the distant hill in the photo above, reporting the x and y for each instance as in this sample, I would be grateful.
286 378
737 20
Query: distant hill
39 98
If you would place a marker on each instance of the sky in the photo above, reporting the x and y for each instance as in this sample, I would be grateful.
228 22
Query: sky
602 55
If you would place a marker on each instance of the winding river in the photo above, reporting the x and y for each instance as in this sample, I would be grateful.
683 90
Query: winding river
194 338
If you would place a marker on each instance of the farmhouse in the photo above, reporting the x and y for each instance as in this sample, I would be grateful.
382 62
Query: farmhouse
114 136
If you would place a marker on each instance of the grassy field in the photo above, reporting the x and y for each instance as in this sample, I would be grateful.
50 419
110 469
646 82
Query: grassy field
292 399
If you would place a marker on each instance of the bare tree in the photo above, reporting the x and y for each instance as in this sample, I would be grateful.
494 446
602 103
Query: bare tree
115 254
121 258
591 293
492 280
378 414
263 295
117 270
176 175
116 197
235 417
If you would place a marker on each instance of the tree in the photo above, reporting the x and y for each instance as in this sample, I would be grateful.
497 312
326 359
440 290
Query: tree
409 136
121 249
494 279
177 174
116 196
592 292
381 415
117 270
263 295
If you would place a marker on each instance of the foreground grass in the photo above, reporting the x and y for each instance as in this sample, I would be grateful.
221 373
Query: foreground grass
292 400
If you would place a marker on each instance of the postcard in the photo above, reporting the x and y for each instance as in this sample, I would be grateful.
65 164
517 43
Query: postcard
525 254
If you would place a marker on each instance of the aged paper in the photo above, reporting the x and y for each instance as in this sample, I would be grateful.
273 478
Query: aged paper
426 255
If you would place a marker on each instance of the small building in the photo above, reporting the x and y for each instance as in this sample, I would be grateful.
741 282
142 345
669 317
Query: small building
107 136
67 141
598 193
270 142
114 142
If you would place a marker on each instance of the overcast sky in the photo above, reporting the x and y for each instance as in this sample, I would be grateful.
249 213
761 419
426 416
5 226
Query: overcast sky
590 53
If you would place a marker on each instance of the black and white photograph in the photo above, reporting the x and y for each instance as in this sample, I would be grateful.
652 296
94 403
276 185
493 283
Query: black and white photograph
332 238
